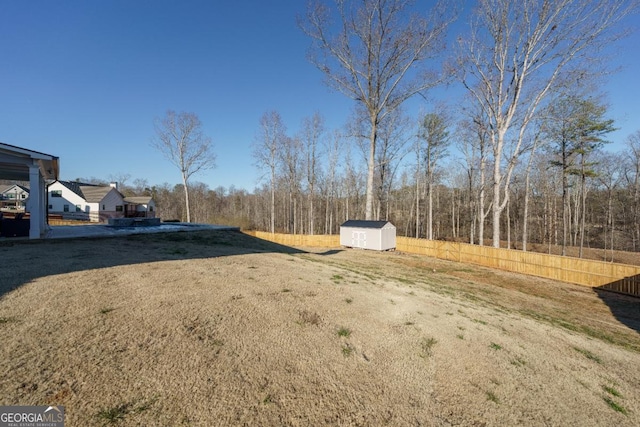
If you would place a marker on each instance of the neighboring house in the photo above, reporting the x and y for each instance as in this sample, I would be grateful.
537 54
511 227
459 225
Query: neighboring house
140 206
96 203
77 200
13 197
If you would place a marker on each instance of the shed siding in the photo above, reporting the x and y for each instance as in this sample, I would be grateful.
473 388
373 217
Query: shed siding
377 237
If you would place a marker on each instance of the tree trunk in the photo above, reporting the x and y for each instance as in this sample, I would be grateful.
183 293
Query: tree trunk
371 165
525 212
481 208
311 213
186 196
583 180
497 178
453 214
418 198
273 202
612 223
430 210
509 225
565 212
472 208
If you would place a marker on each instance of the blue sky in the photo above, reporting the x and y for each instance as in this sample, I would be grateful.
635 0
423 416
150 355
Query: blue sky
84 80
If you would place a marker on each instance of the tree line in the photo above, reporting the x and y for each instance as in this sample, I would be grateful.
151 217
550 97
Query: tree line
428 184
520 159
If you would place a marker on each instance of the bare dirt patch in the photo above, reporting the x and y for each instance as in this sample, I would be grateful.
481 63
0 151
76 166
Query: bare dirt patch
218 328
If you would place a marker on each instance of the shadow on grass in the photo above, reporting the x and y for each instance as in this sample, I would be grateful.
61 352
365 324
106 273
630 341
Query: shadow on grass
27 260
625 308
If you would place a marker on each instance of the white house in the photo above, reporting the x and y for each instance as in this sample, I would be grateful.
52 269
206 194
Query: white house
77 200
376 235
13 197
96 203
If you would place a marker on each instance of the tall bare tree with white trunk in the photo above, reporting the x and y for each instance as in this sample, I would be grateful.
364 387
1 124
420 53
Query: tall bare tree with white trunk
375 54
515 55
313 132
179 137
270 139
433 135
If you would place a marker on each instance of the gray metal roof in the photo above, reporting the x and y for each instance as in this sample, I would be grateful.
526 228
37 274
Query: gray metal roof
74 186
360 223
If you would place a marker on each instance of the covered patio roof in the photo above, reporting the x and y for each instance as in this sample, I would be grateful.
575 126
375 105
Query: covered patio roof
15 162
21 164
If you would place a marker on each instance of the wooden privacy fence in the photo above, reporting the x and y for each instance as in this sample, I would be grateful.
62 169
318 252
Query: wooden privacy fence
320 240
628 285
610 276
572 270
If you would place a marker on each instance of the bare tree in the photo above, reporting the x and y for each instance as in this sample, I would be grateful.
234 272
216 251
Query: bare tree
312 134
290 164
475 147
332 147
516 53
434 135
633 180
179 137
372 57
394 131
609 176
527 189
271 136
121 179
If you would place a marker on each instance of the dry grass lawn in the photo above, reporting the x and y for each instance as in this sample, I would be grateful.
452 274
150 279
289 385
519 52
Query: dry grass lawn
218 328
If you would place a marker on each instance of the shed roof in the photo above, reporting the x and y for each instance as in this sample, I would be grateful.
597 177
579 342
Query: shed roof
359 223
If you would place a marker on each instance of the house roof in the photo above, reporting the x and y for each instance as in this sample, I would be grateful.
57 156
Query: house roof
358 223
74 186
90 192
138 200
5 187
95 193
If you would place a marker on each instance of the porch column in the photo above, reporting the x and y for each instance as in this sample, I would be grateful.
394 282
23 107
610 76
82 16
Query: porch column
36 203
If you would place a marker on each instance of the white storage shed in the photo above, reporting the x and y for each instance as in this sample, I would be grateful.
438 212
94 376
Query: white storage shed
375 235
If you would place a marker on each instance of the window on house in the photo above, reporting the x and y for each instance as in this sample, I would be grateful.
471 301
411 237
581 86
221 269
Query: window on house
104 207
56 193
78 208
150 208
119 208
50 207
65 208
23 196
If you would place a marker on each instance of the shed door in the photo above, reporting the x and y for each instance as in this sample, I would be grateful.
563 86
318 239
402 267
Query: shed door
358 239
